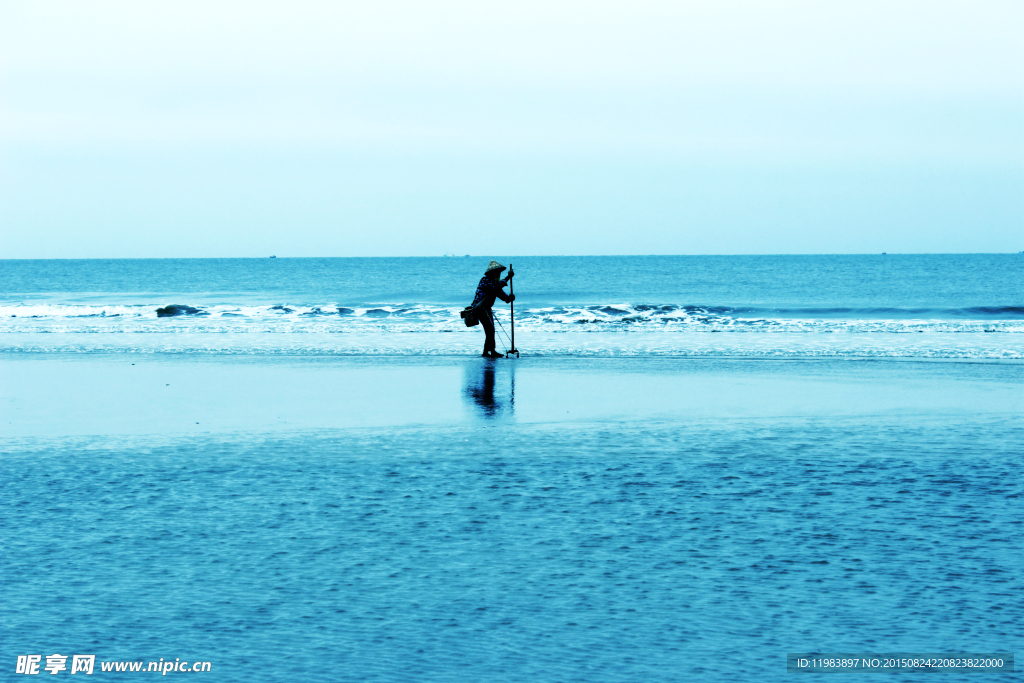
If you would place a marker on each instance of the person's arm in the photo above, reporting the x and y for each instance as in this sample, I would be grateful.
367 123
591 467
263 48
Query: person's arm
495 287
487 290
507 298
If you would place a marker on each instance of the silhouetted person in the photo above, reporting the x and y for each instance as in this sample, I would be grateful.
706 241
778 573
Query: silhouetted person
490 287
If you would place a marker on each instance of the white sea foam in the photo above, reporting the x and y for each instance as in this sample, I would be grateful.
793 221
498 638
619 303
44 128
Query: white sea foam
400 317
601 330
591 344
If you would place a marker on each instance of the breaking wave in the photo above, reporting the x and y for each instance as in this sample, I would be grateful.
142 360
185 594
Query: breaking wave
400 317
613 329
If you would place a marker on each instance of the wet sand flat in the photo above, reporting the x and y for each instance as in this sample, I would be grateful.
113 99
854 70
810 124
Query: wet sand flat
453 519
129 394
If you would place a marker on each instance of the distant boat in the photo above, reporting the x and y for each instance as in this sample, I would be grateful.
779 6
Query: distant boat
273 257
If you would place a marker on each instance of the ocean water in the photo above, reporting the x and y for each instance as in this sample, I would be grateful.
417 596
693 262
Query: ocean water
939 306
697 466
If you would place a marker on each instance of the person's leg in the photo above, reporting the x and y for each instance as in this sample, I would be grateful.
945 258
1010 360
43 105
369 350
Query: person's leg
484 316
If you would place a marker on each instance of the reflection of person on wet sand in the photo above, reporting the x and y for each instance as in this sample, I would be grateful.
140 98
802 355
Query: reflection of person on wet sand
483 392
481 382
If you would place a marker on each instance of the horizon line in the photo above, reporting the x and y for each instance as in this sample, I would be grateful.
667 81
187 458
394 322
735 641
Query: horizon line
451 256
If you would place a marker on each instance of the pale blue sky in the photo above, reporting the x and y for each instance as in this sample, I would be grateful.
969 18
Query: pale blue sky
134 129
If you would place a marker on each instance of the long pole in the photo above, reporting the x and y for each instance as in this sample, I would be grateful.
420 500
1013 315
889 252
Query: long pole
512 312
512 308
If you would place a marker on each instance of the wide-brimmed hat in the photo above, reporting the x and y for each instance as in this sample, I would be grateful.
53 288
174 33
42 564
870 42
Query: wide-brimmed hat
494 265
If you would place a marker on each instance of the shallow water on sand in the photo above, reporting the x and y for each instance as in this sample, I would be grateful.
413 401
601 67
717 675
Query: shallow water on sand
587 551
